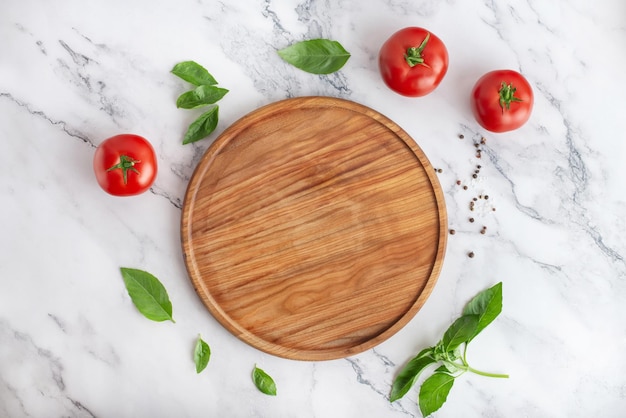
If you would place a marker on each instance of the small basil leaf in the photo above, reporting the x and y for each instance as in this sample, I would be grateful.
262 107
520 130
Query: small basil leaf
201 354
202 127
193 73
454 354
409 374
263 382
200 96
459 332
316 56
447 367
148 294
434 392
487 305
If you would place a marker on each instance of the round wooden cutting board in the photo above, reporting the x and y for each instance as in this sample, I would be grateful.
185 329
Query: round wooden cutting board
314 228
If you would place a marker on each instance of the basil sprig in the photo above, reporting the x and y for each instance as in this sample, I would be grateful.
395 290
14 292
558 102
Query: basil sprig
477 314
205 93
316 56
263 381
148 294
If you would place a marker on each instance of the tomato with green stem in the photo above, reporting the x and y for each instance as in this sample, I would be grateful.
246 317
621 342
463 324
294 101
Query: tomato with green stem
413 62
125 165
502 100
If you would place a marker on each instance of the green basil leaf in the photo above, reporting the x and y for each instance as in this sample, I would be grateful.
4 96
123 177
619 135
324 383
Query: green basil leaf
200 96
203 126
487 305
459 332
148 294
434 392
201 354
193 73
408 375
263 382
447 367
316 56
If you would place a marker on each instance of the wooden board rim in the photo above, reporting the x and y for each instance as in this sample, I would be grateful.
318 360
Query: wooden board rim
204 164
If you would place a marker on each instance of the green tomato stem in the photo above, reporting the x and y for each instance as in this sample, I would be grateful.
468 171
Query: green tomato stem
126 163
414 56
507 95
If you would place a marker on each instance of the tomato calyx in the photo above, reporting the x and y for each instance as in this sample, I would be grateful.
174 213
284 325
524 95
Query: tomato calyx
414 56
507 95
126 163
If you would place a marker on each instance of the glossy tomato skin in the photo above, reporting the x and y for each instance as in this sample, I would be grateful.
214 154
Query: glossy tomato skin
486 106
139 177
418 80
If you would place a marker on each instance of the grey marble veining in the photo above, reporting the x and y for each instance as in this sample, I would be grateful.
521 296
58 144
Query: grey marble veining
72 75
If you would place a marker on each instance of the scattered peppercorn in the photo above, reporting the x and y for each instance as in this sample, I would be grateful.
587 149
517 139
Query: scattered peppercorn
439 170
470 254
477 142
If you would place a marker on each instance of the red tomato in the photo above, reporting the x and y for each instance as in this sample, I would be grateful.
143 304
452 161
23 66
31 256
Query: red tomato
502 100
125 165
413 61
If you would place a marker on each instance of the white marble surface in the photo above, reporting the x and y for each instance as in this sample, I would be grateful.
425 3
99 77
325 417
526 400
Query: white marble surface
73 73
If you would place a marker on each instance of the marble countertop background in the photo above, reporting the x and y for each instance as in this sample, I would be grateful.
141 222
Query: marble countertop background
74 73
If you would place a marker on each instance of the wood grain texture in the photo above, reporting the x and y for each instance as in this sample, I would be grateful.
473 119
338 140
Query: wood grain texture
314 228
